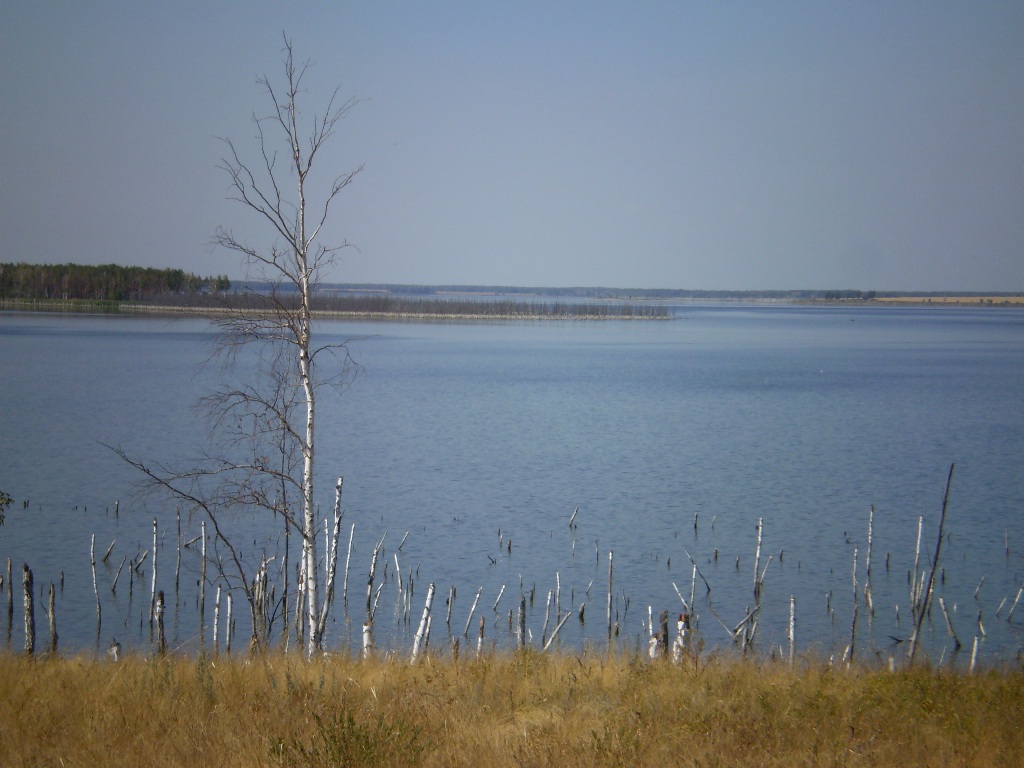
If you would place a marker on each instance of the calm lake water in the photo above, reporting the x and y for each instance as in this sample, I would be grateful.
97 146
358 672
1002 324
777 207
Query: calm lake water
672 438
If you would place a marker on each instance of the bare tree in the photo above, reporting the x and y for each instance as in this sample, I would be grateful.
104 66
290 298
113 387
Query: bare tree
265 454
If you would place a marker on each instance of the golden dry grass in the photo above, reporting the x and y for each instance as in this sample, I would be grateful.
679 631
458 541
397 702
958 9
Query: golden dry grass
522 709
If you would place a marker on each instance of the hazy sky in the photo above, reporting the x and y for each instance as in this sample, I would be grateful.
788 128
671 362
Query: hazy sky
711 145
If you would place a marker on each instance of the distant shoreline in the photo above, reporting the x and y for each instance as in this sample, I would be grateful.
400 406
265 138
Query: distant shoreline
462 307
79 306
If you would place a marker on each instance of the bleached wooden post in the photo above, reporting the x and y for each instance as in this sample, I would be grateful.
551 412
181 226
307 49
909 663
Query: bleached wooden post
867 566
521 624
227 627
332 568
610 597
914 594
177 564
30 615
927 596
949 625
500 593
10 601
480 638
152 587
792 628
95 589
158 615
757 560
372 576
367 638
421 632
53 621
348 562
202 585
547 614
216 622
553 634
1013 607
682 637
853 623
472 608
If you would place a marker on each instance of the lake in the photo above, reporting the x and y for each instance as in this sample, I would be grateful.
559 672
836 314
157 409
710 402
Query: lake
672 438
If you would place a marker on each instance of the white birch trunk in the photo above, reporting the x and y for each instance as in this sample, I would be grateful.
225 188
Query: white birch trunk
472 609
367 639
421 632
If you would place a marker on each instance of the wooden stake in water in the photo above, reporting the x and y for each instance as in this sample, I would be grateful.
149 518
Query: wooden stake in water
500 593
1012 607
609 607
10 601
373 575
949 625
227 627
914 593
348 562
202 585
476 599
792 629
757 560
547 613
158 615
853 623
867 565
216 622
53 622
915 637
152 588
421 632
553 634
30 615
521 626
332 567
95 589
177 564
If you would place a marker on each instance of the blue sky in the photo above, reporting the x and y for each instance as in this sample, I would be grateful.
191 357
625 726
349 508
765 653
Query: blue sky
751 145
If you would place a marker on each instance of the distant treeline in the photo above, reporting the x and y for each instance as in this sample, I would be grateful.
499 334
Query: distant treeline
107 282
387 305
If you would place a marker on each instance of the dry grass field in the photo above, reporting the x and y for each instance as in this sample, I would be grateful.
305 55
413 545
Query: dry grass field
516 709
